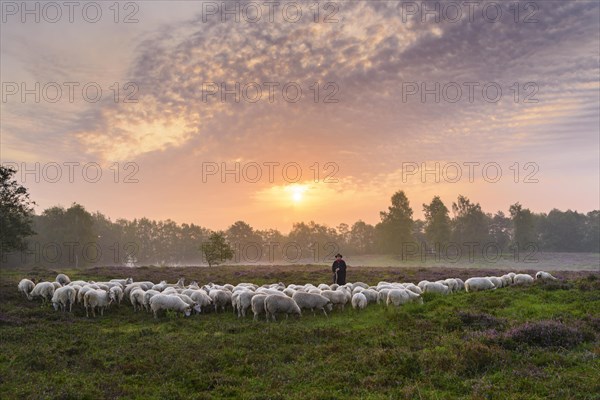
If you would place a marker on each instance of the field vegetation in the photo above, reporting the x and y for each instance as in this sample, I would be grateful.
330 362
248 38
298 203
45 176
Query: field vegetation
517 343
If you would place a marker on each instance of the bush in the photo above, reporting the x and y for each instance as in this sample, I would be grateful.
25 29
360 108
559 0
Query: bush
478 358
480 321
545 334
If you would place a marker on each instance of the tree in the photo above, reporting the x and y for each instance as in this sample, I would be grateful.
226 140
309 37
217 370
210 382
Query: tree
362 237
216 249
396 226
16 210
437 223
500 227
470 224
524 228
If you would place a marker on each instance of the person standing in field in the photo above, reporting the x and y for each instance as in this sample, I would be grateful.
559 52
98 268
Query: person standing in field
339 270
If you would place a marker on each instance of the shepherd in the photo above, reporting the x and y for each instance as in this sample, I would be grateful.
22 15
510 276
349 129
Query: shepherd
339 270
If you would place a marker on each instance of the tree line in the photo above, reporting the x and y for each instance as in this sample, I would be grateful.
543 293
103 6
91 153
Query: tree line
75 237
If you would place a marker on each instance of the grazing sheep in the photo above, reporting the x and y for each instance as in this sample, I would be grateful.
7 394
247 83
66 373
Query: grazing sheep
62 297
269 291
116 293
137 285
220 299
136 298
358 284
422 284
43 290
337 297
147 296
545 276
289 292
201 298
188 300
123 282
324 286
275 304
451 283
506 280
357 289
244 302
435 287
96 298
498 283
383 295
477 284
169 303
359 301
523 280
160 286
62 279
258 305
371 295
26 286
398 297
311 301
415 289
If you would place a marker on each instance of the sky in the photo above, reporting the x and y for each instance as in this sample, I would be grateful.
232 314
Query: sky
275 113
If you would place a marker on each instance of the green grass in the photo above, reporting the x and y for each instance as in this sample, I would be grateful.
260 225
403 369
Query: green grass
449 347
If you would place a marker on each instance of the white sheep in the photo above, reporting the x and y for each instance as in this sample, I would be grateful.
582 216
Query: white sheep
545 276
258 305
477 284
169 303
96 298
244 302
498 282
147 296
201 298
506 280
452 284
188 300
116 293
414 288
146 285
398 297
371 295
62 279
123 282
523 280
311 301
359 301
26 286
81 292
220 298
63 297
435 287
337 297
275 304
383 295
136 298
43 290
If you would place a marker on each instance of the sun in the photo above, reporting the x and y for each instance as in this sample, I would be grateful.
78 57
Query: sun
297 192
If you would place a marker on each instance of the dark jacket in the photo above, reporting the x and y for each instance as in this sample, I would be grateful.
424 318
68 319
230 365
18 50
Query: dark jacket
341 274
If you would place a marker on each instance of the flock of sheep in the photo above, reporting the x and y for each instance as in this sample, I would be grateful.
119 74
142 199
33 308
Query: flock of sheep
268 300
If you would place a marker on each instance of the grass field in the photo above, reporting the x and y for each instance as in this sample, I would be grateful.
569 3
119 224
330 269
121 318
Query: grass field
515 343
